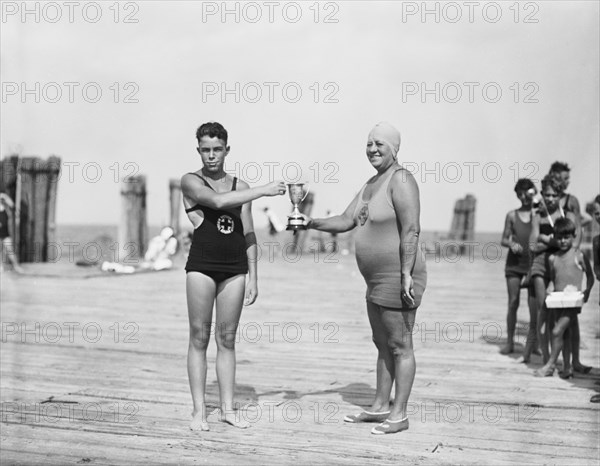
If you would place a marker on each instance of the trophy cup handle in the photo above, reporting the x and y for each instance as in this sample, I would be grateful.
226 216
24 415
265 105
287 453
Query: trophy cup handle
307 185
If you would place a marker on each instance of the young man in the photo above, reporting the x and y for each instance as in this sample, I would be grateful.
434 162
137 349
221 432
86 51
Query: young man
223 251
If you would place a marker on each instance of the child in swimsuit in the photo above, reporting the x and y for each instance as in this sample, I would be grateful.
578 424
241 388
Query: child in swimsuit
566 267
517 229
569 203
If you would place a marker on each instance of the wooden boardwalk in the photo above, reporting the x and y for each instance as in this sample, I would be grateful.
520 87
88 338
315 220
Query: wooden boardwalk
93 371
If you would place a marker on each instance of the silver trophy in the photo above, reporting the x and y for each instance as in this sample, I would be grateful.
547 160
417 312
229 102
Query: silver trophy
297 193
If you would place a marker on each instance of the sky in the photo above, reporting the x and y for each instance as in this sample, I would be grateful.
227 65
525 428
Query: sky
483 93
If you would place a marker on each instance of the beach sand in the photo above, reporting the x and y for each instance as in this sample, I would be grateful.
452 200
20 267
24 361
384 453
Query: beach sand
93 371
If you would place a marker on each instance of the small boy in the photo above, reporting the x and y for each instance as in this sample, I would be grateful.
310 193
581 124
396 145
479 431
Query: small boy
566 267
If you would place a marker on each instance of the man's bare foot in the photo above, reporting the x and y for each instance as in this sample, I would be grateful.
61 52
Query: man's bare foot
199 422
234 419
507 349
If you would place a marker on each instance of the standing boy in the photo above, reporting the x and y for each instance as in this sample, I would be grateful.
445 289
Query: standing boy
566 267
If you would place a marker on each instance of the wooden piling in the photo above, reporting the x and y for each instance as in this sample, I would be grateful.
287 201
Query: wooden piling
457 219
463 221
469 226
32 183
133 229
175 202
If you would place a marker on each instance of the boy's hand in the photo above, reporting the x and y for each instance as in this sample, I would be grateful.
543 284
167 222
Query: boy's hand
275 188
251 293
586 295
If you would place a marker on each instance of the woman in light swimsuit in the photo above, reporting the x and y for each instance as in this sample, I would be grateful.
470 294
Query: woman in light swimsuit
386 214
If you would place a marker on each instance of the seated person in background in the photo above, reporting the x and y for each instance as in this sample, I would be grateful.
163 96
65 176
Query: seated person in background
275 225
160 249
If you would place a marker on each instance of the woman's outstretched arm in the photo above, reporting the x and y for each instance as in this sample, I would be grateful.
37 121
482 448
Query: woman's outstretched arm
337 223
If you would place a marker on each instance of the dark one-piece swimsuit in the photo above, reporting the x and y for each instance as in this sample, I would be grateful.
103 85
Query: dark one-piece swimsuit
218 247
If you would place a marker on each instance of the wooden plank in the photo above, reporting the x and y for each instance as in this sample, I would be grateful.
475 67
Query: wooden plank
470 405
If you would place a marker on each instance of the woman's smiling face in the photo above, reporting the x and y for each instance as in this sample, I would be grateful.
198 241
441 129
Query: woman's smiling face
379 152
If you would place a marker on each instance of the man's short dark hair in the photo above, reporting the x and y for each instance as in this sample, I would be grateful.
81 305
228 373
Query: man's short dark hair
564 227
212 129
524 184
559 167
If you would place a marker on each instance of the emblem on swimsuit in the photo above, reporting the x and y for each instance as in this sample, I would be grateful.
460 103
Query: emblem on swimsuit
363 215
225 224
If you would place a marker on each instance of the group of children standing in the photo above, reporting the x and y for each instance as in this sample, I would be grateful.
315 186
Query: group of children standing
543 238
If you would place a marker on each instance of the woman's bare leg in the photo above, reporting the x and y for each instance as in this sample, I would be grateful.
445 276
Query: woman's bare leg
399 326
385 360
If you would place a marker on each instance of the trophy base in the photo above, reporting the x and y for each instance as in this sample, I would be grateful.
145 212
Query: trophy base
295 228
295 224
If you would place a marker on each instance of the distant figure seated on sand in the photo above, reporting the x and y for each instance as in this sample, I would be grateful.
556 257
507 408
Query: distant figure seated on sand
157 257
160 249
275 225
